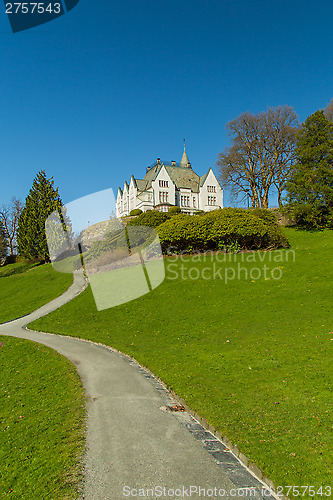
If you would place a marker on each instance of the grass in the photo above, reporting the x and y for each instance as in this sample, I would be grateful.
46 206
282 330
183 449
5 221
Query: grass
20 294
41 423
252 356
18 268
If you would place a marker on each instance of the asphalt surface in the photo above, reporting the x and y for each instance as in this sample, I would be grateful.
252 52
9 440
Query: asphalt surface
135 446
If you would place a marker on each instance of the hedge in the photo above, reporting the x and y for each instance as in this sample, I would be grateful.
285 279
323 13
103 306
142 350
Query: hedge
151 218
174 210
136 211
222 229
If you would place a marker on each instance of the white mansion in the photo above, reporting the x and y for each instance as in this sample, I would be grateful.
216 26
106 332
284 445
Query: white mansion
168 184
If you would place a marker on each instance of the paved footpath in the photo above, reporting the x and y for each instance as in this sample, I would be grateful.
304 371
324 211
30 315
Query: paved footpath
133 441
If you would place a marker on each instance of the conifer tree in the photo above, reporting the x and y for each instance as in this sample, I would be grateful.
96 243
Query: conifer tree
310 187
42 200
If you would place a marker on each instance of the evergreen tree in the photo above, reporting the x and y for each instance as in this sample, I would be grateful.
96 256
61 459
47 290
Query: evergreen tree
310 187
43 199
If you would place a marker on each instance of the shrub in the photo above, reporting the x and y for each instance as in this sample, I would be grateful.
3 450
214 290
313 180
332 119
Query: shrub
174 210
310 216
151 218
231 228
266 215
136 211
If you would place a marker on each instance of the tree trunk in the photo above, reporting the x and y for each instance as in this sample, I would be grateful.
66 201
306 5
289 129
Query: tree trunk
279 198
264 201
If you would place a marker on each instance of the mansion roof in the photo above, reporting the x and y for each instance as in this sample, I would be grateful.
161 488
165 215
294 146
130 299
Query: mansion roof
181 175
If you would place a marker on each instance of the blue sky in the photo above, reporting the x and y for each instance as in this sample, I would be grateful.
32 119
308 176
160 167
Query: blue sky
100 93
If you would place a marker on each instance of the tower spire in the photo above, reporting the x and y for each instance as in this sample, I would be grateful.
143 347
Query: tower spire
185 162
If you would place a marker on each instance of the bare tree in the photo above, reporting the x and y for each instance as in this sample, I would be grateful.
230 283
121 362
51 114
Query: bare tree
9 217
3 244
328 111
261 154
282 126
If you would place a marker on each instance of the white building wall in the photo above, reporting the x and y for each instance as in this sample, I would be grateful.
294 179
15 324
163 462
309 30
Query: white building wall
211 193
163 177
132 195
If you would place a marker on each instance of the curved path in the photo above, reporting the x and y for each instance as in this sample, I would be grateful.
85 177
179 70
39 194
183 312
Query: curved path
132 441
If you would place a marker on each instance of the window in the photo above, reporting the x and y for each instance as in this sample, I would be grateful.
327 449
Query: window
194 201
211 189
164 184
185 201
164 196
211 200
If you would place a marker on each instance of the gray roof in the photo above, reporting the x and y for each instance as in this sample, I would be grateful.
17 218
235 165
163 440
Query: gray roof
183 177
204 177
142 185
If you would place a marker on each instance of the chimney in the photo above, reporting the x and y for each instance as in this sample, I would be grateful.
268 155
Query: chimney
148 168
173 163
158 161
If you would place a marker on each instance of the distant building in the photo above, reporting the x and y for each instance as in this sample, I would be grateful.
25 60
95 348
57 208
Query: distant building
170 184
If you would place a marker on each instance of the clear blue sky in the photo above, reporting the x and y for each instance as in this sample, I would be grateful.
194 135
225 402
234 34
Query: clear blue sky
100 93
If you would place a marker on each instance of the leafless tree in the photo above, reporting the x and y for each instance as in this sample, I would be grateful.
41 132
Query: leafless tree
282 126
9 217
261 154
328 111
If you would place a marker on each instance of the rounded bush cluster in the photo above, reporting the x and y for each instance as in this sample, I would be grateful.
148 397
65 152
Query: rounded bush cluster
151 218
221 229
136 211
174 210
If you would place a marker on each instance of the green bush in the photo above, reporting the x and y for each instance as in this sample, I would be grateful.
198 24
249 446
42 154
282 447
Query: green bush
136 211
309 216
266 215
151 218
174 210
229 228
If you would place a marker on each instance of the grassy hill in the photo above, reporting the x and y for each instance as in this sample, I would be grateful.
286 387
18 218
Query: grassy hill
253 354
42 402
25 287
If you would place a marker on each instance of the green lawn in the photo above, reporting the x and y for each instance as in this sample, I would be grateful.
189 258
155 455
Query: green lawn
41 423
252 356
20 294
18 268
42 400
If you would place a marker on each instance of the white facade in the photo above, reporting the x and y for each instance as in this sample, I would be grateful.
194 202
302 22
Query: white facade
169 184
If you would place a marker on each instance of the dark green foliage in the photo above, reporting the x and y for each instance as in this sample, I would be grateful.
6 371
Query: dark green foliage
151 218
220 229
43 199
174 210
310 216
310 187
136 211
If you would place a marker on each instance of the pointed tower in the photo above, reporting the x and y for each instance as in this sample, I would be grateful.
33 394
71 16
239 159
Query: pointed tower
185 162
